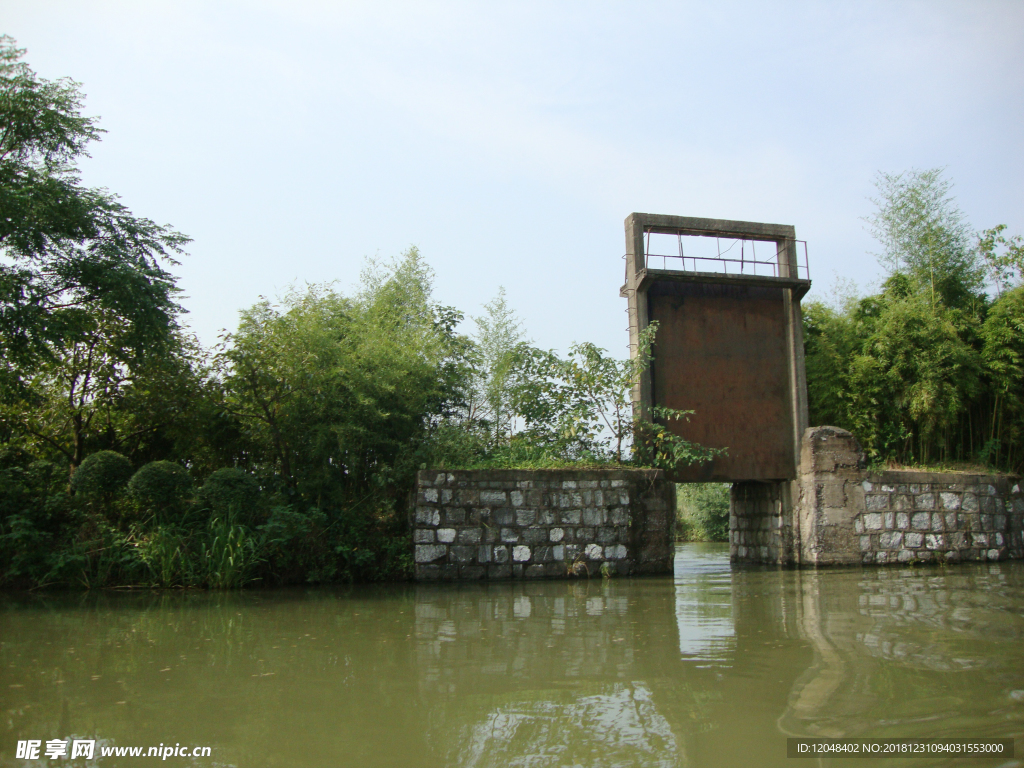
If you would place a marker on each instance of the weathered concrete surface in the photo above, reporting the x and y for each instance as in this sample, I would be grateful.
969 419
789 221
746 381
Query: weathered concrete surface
837 513
502 524
729 347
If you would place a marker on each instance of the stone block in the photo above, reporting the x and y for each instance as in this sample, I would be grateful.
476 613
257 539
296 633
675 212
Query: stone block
938 522
499 571
554 570
865 543
558 552
462 554
876 501
423 536
593 516
584 535
873 521
556 534
500 554
594 552
428 553
526 517
509 535
950 500
535 535
466 497
504 516
969 503
455 516
428 496
516 498
546 516
446 535
572 517
615 552
890 540
921 521
542 555
493 498
472 572
520 554
618 516
935 541
902 521
902 502
470 536
924 501
913 540
427 516
535 572
607 535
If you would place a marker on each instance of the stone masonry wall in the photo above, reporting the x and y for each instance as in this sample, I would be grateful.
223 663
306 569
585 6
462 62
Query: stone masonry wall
842 514
759 522
502 524
924 516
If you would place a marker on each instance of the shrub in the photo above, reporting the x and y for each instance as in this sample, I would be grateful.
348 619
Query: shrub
230 491
703 511
162 487
102 474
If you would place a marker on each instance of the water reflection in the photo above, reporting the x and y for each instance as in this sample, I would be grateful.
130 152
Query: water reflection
704 616
714 667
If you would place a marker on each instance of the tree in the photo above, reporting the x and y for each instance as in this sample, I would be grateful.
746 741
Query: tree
926 236
68 251
1002 256
580 408
498 336
338 393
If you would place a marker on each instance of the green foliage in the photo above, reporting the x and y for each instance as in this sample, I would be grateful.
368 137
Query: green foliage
702 511
162 487
580 409
498 340
230 491
926 237
927 370
1003 356
102 474
335 394
1003 257
69 252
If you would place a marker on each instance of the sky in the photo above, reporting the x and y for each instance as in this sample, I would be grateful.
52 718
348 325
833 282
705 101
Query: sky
508 141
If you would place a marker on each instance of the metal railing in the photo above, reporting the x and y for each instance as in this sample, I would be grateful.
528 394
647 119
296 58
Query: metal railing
744 265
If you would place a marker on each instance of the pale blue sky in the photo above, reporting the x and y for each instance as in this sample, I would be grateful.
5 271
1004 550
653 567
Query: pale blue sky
510 140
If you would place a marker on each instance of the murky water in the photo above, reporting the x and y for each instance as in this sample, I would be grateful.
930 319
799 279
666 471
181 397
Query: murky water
715 667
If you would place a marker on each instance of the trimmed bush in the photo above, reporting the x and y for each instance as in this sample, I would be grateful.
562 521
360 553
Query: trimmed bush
102 474
161 486
230 491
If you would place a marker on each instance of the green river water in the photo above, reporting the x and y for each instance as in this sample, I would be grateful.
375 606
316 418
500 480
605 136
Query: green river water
715 666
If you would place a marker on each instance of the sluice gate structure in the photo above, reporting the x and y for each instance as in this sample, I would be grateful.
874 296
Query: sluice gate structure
729 347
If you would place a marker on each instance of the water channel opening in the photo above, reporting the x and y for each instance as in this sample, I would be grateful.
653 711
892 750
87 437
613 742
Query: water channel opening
702 512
